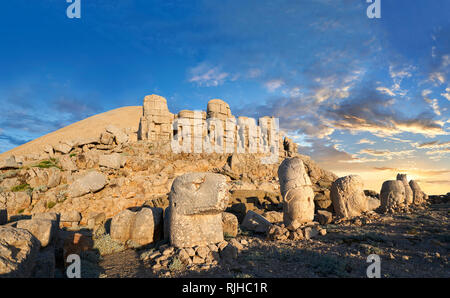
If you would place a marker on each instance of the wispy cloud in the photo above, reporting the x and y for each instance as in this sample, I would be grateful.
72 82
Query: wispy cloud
273 85
204 75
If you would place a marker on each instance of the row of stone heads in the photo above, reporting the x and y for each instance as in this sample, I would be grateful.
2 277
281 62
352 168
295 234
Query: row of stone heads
218 136
400 192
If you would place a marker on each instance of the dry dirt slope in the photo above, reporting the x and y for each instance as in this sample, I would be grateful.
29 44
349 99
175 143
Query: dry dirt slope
125 117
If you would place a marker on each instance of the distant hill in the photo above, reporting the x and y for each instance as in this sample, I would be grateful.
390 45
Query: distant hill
125 117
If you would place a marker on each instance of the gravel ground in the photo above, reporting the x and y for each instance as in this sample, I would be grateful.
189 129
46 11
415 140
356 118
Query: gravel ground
414 243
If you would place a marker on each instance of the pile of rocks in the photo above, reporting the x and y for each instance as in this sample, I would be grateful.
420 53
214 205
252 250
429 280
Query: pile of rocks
279 232
201 256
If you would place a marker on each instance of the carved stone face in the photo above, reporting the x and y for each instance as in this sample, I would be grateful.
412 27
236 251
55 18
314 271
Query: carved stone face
392 193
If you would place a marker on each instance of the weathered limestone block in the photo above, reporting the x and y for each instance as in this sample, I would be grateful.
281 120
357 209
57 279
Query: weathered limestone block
255 222
106 138
67 164
50 177
348 196
408 191
52 216
197 201
63 148
70 216
156 121
91 182
9 163
392 194
419 197
14 201
142 227
230 224
120 136
42 229
324 217
290 147
297 193
18 252
113 161
219 109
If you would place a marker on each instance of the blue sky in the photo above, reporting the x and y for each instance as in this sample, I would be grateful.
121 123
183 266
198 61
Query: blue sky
360 95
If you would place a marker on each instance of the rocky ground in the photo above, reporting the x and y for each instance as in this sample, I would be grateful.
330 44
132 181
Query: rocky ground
80 197
413 243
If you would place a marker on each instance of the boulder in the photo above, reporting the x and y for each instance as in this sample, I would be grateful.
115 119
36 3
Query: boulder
63 148
9 163
324 217
142 227
70 216
419 197
119 135
42 229
52 216
106 138
297 193
392 194
348 196
408 190
230 224
15 202
273 216
197 201
255 222
373 203
67 164
37 177
89 183
18 252
113 161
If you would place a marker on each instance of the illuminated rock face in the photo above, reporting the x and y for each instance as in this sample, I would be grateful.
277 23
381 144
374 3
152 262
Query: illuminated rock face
197 201
297 193
348 196
392 194
217 128
408 190
156 121
419 197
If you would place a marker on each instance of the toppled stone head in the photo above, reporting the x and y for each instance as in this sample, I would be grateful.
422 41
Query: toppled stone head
197 201
392 194
348 196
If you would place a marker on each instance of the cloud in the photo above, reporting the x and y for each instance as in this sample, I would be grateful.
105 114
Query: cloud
372 112
432 102
446 94
204 75
432 144
386 91
437 77
386 153
273 85
366 141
